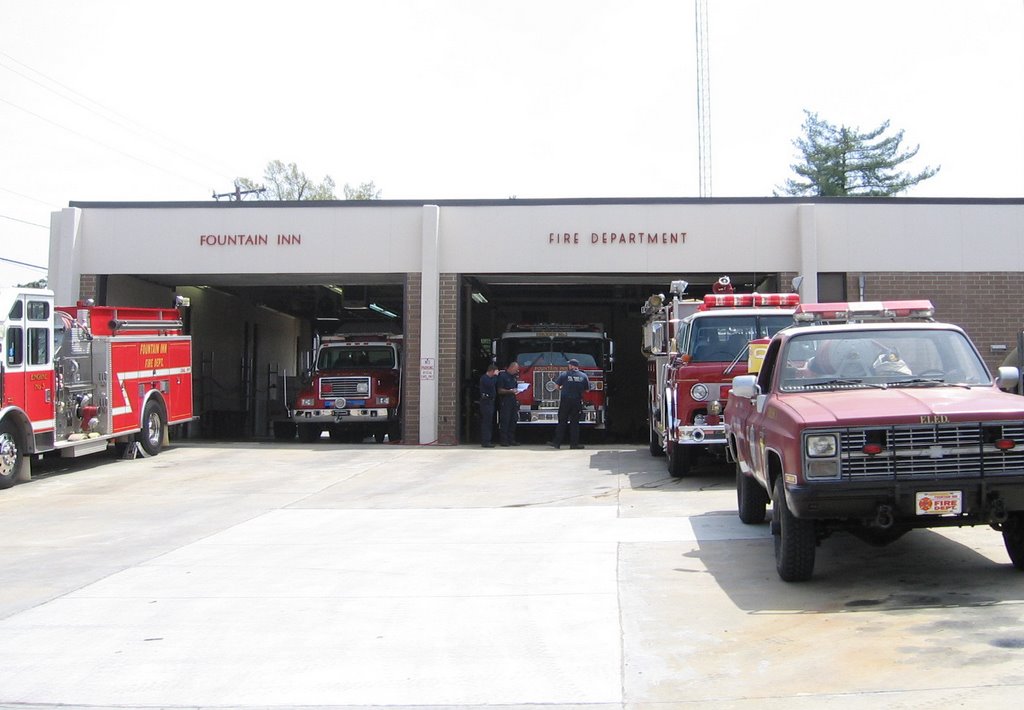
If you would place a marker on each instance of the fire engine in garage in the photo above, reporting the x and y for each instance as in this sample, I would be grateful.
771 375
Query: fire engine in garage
355 389
543 352
694 348
78 379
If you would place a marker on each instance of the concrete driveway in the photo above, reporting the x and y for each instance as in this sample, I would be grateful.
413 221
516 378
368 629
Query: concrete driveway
291 575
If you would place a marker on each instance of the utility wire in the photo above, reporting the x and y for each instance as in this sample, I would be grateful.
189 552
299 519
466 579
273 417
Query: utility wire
101 143
124 122
27 197
22 263
34 224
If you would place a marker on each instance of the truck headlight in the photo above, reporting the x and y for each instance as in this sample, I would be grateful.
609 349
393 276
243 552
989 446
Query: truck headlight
823 469
385 401
699 392
363 388
821 445
306 402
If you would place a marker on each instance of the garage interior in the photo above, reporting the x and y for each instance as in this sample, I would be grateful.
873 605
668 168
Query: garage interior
262 324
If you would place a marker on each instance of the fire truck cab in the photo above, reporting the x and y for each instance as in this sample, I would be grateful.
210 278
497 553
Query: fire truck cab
354 390
694 349
543 352
78 379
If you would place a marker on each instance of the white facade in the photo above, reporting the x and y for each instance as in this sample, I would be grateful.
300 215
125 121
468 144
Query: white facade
202 242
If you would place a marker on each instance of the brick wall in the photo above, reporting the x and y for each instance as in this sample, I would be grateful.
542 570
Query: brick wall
411 346
988 305
88 287
448 361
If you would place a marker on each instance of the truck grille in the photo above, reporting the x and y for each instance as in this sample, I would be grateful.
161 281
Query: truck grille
545 393
348 387
932 451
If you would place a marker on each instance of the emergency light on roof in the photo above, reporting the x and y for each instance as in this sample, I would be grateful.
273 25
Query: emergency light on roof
858 311
751 300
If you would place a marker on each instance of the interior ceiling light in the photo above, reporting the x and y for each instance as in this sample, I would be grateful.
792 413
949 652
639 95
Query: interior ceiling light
478 297
383 311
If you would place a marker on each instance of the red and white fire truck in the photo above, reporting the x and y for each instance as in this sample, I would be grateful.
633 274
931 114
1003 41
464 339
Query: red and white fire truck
355 389
543 351
694 348
77 379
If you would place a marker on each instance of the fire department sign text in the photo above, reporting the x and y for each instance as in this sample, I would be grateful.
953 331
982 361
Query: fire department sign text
622 238
248 240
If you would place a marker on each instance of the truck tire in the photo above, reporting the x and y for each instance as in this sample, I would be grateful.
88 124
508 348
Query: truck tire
656 448
680 460
795 539
308 433
751 499
1013 538
151 436
11 454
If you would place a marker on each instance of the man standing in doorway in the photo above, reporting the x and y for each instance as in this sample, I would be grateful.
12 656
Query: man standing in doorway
508 405
572 384
488 395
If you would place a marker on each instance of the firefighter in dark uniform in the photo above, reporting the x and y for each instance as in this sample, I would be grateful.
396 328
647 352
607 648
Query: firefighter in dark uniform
488 398
572 384
508 406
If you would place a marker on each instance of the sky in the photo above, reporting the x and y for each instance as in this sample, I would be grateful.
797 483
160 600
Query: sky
118 100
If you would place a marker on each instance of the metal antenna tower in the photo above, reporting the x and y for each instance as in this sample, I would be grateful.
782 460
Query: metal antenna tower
703 99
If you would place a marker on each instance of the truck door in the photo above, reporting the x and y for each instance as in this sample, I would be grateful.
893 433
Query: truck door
28 360
755 423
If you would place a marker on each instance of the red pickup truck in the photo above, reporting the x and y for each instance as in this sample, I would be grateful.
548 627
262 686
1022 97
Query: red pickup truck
874 419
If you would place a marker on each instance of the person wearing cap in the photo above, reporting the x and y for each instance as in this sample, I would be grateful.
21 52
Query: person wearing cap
572 384
488 397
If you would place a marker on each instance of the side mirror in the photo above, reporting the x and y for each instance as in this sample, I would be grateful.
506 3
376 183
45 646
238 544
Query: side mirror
745 386
1007 378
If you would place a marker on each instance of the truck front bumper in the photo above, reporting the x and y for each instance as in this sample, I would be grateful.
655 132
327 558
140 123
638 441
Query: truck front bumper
862 499
338 416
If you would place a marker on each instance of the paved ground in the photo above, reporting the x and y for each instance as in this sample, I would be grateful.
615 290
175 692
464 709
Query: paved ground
287 575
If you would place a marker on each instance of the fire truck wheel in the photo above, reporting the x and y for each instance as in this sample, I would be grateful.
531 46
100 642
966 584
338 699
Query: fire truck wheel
151 436
379 435
751 499
680 460
1013 538
656 448
308 433
795 539
11 458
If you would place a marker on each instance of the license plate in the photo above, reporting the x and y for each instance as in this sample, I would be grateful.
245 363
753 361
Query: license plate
940 502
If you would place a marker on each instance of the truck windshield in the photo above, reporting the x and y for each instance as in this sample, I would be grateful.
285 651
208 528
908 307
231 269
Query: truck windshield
536 352
888 358
722 338
342 357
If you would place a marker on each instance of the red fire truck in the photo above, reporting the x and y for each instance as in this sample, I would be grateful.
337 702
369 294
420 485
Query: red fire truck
80 378
543 351
355 389
694 348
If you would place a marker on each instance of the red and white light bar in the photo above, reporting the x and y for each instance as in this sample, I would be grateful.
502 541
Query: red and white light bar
864 310
751 300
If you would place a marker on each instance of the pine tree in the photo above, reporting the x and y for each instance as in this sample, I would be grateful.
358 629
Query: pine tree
840 161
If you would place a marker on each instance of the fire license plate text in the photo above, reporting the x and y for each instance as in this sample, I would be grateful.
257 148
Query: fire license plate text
940 502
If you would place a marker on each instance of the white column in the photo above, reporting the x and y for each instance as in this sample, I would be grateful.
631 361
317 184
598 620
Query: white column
430 314
808 253
65 273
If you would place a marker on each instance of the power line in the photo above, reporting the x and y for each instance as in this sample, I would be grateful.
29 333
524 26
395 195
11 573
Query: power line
28 197
100 143
34 224
124 122
22 263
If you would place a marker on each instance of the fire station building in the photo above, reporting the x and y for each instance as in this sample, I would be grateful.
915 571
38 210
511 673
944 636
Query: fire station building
266 279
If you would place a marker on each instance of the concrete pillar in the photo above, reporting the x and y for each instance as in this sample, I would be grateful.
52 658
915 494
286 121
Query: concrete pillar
430 312
65 271
808 253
